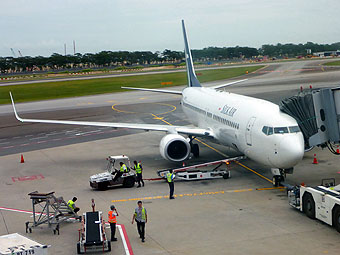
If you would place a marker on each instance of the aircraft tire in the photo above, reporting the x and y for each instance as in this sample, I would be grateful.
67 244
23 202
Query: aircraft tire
277 179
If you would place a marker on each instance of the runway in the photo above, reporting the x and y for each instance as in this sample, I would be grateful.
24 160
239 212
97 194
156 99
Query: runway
241 215
273 83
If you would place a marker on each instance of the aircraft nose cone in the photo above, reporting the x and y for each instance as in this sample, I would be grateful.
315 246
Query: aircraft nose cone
291 150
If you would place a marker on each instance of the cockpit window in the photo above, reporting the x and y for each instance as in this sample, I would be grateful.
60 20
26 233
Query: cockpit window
281 130
267 130
294 129
270 131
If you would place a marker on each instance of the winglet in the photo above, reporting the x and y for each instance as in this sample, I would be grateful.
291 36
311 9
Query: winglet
15 111
192 79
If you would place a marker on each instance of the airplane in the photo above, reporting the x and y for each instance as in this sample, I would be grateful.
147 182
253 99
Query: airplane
254 127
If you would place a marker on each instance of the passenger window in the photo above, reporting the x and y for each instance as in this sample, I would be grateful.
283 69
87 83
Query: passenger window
265 130
280 130
294 129
270 130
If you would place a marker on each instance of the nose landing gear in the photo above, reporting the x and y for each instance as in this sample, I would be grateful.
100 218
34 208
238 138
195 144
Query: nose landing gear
280 175
277 179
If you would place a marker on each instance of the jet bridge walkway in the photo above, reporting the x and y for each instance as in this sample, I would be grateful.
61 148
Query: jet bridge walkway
318 114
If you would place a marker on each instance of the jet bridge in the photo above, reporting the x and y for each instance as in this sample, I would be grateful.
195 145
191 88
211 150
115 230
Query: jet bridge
318 115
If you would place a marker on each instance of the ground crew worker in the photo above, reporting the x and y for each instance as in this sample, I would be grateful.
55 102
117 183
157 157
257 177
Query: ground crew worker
139 171
72 205
170 179
141 217
123 169
113 220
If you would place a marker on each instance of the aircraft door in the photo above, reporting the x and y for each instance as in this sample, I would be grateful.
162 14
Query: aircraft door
249 130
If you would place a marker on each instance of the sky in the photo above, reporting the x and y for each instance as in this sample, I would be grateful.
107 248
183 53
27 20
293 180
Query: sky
42 27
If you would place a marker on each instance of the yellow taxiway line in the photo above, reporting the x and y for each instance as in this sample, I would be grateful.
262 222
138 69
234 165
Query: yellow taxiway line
197 194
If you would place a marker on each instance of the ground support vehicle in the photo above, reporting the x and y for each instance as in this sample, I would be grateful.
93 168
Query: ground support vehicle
192 173
106 179
92 236
320 202
51 210
17 244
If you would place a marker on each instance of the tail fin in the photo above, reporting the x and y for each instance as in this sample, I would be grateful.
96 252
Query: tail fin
192 79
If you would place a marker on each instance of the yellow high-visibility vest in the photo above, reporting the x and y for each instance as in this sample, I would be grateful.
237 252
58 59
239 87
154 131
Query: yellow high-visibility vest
138 169
70 204
123 168
169 177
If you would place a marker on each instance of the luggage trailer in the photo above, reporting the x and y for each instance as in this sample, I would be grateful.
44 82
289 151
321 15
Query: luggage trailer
92 236
192 173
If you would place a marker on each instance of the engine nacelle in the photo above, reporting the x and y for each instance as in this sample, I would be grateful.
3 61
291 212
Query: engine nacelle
174 147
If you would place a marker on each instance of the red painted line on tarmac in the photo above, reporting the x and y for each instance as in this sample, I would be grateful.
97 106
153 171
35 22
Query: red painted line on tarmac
127 239
125 236
16 210
153 179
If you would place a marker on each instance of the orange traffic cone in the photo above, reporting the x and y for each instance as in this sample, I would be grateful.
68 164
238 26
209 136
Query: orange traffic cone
315 161
337 150
22 159
183 164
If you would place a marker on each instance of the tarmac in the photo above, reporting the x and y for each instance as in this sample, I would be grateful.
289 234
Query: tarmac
240 215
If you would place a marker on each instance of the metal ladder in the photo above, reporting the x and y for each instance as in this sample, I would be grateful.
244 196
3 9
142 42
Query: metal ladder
53 211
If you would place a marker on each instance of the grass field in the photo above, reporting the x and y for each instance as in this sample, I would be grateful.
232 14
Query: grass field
334 63
64 89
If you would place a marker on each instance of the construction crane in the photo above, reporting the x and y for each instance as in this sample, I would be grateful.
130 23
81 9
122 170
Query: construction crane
20 53
13 53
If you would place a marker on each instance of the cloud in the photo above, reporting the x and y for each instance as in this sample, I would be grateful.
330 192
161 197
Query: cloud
42 27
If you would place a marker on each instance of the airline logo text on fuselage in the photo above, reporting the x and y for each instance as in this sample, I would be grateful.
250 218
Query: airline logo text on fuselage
228 110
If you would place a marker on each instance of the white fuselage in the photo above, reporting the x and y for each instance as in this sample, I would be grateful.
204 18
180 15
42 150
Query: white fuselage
238 121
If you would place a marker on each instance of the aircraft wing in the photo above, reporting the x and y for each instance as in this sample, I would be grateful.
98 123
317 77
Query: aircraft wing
147 127
155 90
228 84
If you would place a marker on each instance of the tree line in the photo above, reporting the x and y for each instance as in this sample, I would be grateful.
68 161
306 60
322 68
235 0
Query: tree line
114 59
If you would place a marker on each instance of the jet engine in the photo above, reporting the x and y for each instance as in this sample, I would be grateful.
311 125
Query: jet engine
174 147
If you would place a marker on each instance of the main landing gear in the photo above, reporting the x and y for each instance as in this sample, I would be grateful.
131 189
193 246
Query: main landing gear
195 150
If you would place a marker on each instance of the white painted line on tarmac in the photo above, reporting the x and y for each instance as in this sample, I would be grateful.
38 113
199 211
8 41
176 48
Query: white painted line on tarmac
8 147
28 135
5 143
16 137
121 228
126 242
37 138
95 131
